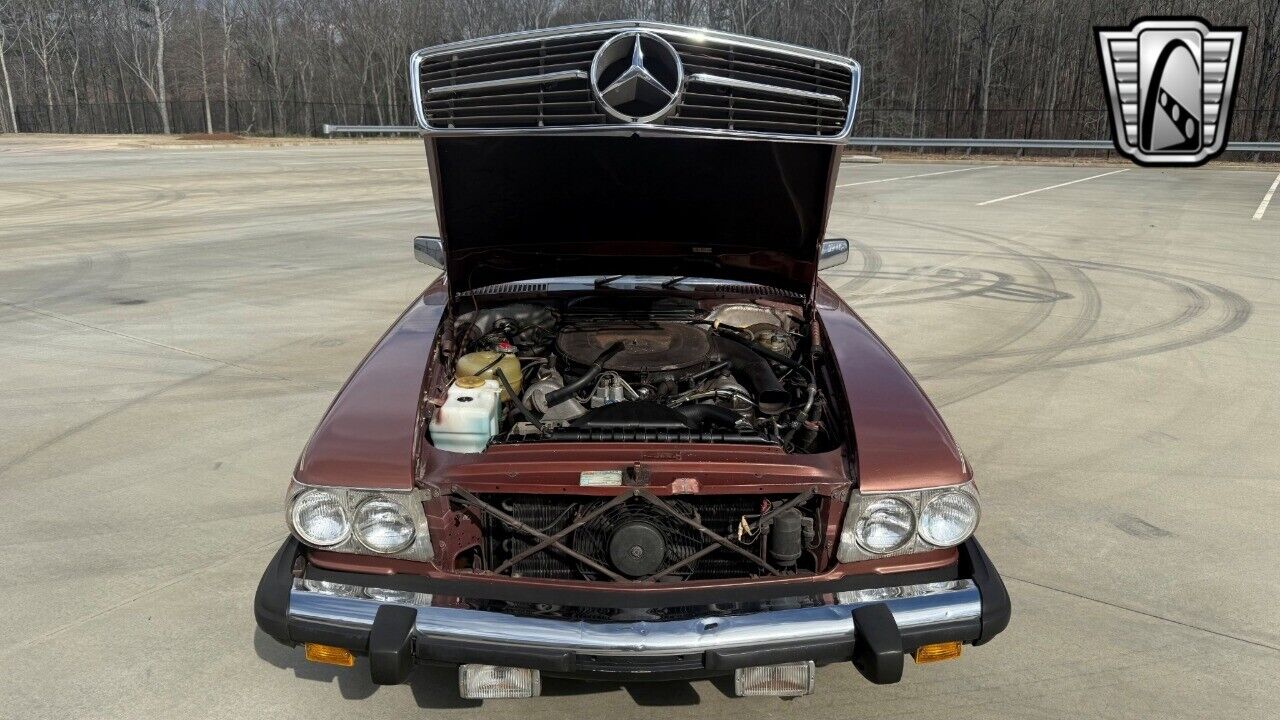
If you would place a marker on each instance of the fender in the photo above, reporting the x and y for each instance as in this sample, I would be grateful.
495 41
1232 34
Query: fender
900 439
369 435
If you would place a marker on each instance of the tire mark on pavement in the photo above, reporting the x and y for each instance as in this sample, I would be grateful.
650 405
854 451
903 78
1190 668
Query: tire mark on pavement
1144 613
149 591
1194 299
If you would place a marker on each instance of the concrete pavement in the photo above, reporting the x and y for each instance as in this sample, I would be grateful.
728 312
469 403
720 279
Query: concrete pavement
173 322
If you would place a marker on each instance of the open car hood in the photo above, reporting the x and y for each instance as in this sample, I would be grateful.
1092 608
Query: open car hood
514 207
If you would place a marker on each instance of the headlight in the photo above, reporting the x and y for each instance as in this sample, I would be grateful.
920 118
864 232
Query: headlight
948 519
886 525
331 588
383 526
319 518
355 520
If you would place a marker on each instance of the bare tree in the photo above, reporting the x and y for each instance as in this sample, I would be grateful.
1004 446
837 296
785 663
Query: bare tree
955 67
224 16
12 114
160 20
1267 64
195 17
44 27
140 47
991 18
265 46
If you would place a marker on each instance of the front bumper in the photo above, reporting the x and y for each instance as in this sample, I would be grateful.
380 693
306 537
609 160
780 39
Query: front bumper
970 606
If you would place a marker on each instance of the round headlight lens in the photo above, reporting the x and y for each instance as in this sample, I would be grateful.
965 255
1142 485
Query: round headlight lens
949 518
319 518
383 526
885 525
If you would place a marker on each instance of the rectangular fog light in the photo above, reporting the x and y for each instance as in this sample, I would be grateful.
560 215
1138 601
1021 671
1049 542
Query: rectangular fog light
487 682
789 680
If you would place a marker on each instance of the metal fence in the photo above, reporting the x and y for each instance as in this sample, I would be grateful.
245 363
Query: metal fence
242 117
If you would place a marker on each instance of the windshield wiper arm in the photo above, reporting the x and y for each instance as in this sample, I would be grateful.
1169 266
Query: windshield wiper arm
603 281
668 284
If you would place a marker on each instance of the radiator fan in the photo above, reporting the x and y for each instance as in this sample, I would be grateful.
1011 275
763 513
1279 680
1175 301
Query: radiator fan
637 539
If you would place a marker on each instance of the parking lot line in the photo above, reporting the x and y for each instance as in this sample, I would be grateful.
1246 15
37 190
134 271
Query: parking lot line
1266 199
908 177
1051 187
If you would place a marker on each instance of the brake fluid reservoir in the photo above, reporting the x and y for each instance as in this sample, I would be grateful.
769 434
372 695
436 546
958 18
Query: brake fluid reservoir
485 364
469 416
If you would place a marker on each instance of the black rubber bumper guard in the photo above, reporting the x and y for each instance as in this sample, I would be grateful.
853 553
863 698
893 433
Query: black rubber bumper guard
877 651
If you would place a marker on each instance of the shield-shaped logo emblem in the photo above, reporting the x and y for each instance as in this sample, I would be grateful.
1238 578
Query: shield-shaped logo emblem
1170 82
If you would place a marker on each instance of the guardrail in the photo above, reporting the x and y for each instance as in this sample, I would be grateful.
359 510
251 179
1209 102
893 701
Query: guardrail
1028 144
968 143
328 129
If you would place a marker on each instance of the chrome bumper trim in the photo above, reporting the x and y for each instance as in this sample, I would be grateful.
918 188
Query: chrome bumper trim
957 601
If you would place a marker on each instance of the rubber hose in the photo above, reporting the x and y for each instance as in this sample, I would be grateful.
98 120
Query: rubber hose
555 397
524 411
756 374
700 414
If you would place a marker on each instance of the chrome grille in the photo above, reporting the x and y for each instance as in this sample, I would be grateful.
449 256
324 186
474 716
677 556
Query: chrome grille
541 81
526 84
728 87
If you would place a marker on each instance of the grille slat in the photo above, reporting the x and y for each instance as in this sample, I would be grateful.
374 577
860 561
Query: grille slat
570 102
752 105
499 53
516 96
490 106
510 74
523 117
741 124
769 75
753 114
742 54
453 69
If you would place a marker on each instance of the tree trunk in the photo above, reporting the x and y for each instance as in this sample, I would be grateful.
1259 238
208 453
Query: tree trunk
226 60
161 99
8 89
124 96
226 100
986 85
955 68
208 113
204 77
48 96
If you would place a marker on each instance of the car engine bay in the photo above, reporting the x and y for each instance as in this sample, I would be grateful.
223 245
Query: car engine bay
639 369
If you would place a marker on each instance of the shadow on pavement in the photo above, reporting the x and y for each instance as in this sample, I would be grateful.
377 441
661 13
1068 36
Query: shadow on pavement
353 683
436 687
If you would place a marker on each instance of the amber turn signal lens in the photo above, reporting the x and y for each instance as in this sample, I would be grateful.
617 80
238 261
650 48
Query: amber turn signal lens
936 652
330 655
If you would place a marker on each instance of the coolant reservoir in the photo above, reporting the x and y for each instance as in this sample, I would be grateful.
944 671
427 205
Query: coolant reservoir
469 416
472 364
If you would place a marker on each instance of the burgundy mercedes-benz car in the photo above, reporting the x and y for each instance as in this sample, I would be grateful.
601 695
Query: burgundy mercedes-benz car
629 433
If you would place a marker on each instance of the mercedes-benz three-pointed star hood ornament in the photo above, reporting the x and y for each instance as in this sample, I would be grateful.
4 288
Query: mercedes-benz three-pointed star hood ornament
637 76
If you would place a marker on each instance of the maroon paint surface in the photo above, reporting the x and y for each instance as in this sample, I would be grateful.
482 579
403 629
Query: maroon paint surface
373 436
901 440
369 436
